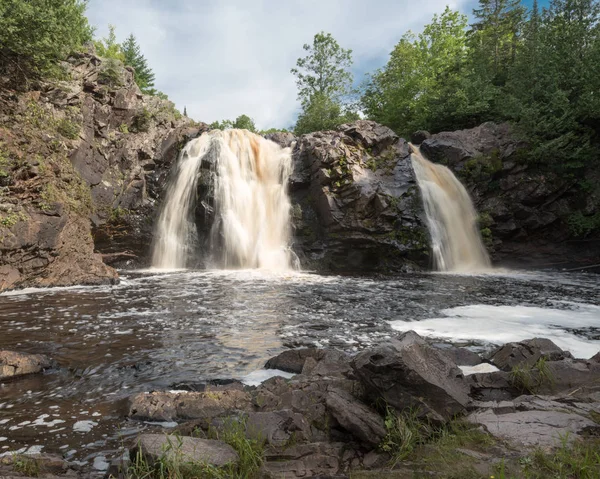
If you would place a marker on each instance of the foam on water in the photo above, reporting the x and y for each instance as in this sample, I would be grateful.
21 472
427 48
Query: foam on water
257 377
503 324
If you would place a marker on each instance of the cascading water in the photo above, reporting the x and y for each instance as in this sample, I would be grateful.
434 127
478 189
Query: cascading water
451 217
251 227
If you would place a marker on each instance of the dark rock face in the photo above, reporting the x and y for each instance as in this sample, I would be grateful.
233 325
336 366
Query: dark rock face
527 353
524 210
14 364
410 373
293 360
356 204
282 138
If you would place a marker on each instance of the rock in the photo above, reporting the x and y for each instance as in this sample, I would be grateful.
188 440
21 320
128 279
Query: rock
595 357
277 428
495 386
282 138
408 372
167 406
184 449
527 353
14 364
292 360
419 137
460 356
321 459
356 418
569 374
46 463
356 203
532 428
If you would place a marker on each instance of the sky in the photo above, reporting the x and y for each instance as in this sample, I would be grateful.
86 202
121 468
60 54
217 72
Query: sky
224 58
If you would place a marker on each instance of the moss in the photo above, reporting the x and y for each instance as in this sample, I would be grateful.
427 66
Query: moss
482 167
11 219
581 225
124 129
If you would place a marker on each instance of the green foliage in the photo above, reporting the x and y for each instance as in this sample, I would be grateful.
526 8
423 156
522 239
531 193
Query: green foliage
141 121
123 128
110 74
108 47
132 56
576 459
324 83
404 433
68 128
11 219
274 130
26 465
580 225
36 34
529 379
322 113
242 122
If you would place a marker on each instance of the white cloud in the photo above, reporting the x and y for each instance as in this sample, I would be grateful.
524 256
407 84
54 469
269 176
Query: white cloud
224 58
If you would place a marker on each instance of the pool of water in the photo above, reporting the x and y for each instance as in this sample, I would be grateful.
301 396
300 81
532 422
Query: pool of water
162 330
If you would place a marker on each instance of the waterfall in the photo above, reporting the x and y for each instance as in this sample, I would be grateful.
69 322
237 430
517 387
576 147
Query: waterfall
251 225
451 218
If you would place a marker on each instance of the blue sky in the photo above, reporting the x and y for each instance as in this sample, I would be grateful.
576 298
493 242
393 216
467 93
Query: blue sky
224 58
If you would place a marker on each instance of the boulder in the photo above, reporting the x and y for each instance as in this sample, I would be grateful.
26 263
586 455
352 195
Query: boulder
364 424
14 364
282 138
527 353
292 360
532 428
495 386
184 449
277 428
408 372
167 406
319 459
459 356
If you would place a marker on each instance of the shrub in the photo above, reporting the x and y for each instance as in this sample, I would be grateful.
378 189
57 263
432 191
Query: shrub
142 121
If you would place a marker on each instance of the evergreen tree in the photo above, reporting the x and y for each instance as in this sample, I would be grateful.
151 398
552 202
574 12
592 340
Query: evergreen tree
184 111
132 56
494 37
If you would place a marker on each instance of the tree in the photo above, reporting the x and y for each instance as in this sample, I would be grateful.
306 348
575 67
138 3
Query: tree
132 56
242 122
324 82
425 84
324 70
322 113
494 37
36 34
184 111
108 47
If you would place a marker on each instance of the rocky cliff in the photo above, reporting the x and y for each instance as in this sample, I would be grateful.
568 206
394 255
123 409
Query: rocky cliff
356 203
82 162
528 214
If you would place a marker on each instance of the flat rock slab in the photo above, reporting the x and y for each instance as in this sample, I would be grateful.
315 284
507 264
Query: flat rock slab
532 428
14 364
185 449
166 406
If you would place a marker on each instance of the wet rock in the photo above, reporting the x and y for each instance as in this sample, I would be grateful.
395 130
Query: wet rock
419 137
282 138
45 463
277 428
408 372
527 353
532 428
185 449
166 406
356 203
14 364
292 360
364 424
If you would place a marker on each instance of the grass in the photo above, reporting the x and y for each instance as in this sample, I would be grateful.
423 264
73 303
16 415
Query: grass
529 379
25 465
172 465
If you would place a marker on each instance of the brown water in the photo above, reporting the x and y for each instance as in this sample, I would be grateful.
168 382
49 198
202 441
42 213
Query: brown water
164 331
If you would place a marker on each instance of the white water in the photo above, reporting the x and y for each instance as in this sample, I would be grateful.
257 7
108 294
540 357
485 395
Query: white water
451 218
504 324
251 227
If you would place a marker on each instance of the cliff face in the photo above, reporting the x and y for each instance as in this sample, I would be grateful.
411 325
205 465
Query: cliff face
525 211
81 160
356 201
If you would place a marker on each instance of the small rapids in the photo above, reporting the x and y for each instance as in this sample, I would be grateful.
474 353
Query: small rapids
175 330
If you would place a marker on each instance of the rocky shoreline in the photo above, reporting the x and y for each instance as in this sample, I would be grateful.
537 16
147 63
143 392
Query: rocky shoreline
405 408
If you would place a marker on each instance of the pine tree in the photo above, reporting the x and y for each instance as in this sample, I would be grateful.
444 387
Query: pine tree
144 76
184 111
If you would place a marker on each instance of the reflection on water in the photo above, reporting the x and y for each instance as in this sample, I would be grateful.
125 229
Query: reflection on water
155 330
